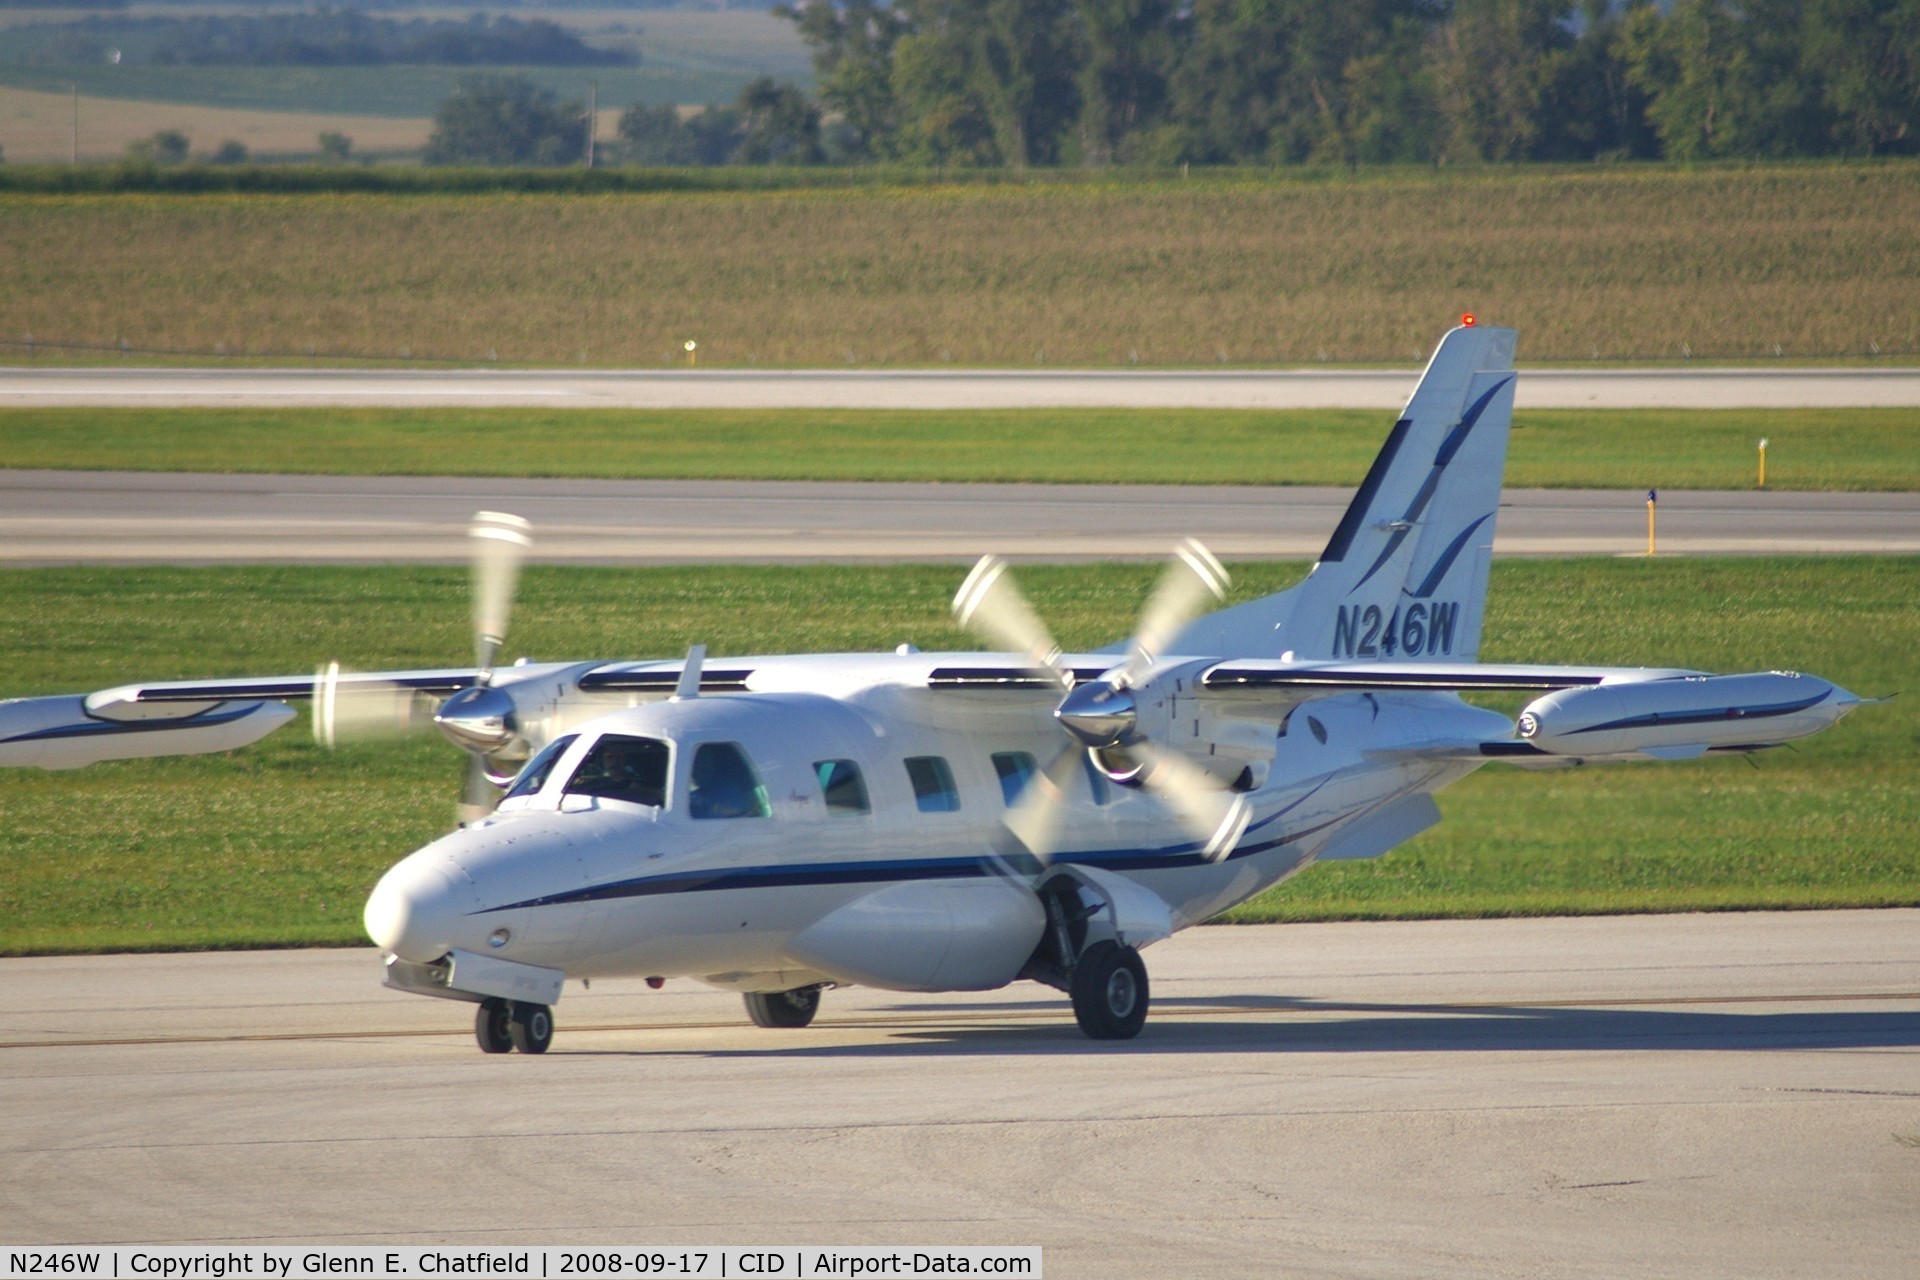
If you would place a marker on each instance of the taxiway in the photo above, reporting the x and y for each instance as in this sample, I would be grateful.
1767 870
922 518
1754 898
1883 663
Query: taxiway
1383 389
139 517
1726 1095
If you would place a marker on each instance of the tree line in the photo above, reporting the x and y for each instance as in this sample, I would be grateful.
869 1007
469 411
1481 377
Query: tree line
1049 82
320 37
1018 83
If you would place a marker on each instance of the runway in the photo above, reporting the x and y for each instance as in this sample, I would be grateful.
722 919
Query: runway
1724 1095
1383 389
139 517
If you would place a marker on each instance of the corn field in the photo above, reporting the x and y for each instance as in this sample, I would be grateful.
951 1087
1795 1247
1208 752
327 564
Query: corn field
1613 264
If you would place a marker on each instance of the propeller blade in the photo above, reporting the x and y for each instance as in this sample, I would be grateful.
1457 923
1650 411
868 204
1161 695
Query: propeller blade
989 603
1216 816
500 543
348 708
478 795
1037 813
1193 580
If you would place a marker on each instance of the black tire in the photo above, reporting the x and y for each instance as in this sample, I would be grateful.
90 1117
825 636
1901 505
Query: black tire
1110 992
493 1026
532 1027
783 1008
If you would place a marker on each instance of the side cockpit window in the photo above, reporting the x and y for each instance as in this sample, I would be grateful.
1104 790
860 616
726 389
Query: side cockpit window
722 784
534 775
620 767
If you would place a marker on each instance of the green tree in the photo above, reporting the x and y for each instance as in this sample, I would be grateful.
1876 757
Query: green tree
335 148
1867 54
987 81
1129 50
1727 80
1391 100
853 45
779 125
1499 63
1291 80
506 120
232 151
168 146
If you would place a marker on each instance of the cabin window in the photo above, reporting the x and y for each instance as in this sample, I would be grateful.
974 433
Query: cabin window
534 775
622 767
933 788
1016 770
840 782
724 785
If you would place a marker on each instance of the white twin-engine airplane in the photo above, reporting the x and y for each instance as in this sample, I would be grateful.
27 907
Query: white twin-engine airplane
959 821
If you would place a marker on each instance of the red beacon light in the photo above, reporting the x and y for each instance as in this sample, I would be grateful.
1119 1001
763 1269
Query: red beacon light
1467 320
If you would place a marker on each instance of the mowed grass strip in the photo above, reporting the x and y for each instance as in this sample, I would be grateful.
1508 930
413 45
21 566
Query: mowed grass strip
1600 263
279 844
1810 449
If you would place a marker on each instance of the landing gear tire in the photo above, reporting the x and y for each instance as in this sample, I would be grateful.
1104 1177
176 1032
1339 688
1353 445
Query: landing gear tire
1110 992
783 1008
492 1026
531 1027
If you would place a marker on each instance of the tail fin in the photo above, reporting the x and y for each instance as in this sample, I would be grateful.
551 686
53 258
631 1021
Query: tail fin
1405 574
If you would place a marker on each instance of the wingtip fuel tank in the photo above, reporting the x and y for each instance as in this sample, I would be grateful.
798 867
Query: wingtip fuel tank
1760 709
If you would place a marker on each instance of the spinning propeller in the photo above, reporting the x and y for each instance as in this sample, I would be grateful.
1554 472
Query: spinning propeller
478 719
1102 717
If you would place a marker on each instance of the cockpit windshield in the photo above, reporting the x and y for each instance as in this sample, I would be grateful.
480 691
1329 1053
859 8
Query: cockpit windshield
620 767
534 776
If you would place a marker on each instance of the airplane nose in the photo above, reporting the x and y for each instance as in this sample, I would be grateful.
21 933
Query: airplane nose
416 910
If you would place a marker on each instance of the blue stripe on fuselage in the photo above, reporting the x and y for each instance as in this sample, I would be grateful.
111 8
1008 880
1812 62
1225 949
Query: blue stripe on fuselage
893 870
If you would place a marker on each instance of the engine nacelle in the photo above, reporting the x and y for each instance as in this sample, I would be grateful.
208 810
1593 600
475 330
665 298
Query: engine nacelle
1685 715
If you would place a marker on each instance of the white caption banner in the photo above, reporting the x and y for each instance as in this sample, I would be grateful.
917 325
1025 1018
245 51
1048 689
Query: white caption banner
412 1262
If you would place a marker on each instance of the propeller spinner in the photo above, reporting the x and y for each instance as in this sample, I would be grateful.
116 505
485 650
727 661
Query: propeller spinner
1103 716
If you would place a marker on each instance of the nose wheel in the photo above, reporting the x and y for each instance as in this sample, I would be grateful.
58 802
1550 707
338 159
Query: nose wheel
501 1026
783 1008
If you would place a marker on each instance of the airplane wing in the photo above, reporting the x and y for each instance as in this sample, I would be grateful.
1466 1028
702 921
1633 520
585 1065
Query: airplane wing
177 717
191 717
1587 713
1287 683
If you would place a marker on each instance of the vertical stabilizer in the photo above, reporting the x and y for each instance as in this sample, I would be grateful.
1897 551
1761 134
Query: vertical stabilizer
1404 576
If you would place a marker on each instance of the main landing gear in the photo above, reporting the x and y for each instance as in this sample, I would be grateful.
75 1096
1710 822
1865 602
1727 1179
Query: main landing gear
501 1025
783 1008
1110 992
1105 977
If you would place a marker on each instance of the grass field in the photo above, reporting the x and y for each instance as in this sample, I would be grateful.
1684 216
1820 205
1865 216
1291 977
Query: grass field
37 126
1244 269
1823 449
279 844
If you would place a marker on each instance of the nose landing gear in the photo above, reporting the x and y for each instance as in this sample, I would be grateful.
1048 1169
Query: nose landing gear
503 1025
783 1008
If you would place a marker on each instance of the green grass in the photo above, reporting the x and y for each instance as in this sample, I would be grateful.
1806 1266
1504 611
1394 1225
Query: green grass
279 844
372 91
1810 449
